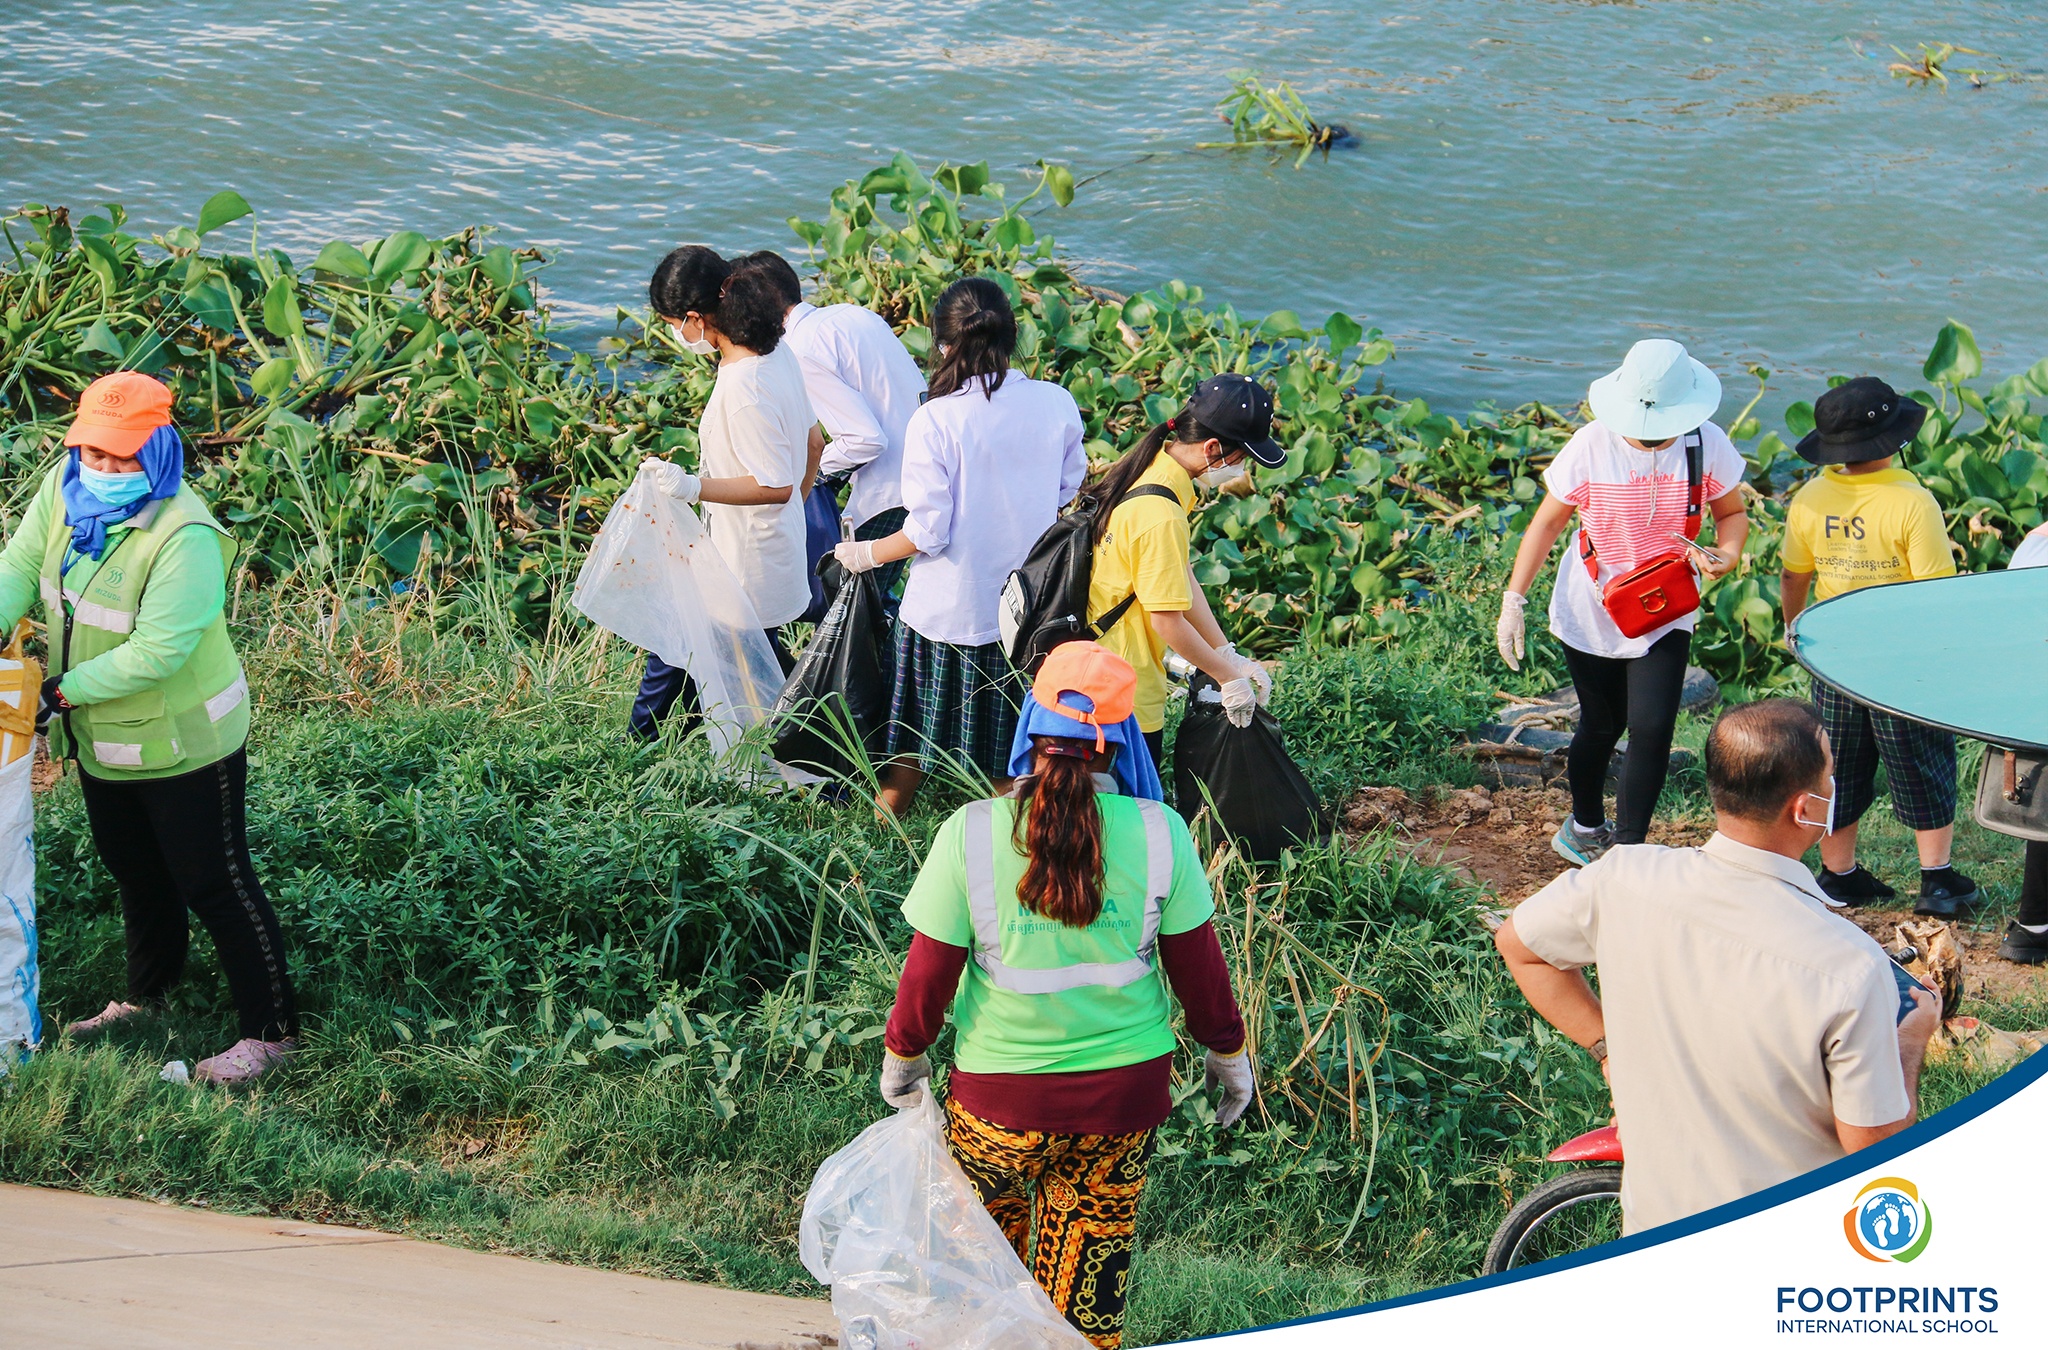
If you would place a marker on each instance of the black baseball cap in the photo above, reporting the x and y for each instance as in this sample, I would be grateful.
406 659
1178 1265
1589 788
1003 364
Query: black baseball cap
1859 420
1238 408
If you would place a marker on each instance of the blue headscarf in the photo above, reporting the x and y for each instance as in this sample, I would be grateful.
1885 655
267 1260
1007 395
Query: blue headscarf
163 463
1133 768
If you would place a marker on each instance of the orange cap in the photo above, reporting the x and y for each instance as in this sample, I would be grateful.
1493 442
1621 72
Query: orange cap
1091 669
118 412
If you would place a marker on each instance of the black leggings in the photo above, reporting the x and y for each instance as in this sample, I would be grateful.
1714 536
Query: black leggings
1639 696
2034 888
180 846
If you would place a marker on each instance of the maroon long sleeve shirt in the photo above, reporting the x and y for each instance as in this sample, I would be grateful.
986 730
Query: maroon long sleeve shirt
1122 1100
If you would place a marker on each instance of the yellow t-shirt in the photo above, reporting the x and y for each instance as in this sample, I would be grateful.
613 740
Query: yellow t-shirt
1865 529
1145 551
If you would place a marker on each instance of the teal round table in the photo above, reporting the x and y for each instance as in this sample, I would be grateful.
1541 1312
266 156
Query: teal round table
1967 653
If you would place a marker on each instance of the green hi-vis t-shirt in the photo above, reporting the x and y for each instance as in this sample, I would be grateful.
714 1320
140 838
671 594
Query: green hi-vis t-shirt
1074 1030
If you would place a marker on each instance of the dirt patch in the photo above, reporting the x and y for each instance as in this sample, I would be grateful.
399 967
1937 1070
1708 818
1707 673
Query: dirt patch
47 771
1985 976
1499 837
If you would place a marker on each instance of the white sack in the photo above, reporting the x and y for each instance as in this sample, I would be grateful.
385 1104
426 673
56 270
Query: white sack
914 1260
654 578
20 1021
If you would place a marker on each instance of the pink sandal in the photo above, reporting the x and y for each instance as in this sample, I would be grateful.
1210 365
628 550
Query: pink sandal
107 1017
245 1061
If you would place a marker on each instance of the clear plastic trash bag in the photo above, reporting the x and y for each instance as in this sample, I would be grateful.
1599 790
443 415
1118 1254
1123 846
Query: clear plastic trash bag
21 1023
914 1260
654 578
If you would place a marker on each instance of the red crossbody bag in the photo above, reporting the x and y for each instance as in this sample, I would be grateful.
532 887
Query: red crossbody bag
1648 597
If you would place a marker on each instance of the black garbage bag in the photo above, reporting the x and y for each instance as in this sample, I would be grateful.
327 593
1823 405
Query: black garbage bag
837 698
1261 798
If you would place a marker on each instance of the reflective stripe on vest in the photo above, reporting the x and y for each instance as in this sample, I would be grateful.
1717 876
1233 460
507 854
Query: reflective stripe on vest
87 611
228 699
980 845
123 755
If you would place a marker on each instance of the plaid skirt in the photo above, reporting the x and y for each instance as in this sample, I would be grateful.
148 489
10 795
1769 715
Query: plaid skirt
954 702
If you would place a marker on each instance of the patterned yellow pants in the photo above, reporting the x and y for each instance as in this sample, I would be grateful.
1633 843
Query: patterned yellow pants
1075 1196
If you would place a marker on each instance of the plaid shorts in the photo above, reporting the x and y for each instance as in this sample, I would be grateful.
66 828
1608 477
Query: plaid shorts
1919 762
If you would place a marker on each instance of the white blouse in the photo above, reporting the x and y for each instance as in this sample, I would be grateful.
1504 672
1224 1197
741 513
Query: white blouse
983 477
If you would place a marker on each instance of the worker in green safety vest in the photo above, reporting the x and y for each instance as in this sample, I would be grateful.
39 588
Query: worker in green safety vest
146 693
1053 922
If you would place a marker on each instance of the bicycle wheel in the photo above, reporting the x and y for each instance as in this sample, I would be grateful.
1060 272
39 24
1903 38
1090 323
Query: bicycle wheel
1564 1215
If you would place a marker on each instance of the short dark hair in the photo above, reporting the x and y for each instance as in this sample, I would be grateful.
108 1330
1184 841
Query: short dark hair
776 268
742 303
1761 755
975 325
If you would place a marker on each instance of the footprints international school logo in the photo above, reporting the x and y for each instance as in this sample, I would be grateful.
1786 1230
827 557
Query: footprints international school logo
1889 1221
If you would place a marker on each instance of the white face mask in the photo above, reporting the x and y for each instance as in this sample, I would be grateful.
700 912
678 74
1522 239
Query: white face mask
702 346
1221 476
1826 826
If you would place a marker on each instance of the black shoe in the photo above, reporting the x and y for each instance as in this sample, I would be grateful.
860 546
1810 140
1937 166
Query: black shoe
1858 886
2029 949
1945 893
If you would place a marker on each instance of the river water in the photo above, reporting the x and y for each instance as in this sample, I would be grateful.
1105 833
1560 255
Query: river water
1537 183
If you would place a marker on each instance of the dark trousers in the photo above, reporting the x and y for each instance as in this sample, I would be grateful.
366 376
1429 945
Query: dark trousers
2034 888
1638 696
1155 745
180 846
662 686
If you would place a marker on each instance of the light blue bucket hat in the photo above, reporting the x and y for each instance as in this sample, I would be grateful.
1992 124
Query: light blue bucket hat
1657 393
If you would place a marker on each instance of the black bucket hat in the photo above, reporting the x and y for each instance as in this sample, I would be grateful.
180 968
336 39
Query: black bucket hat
1860 420
1238 408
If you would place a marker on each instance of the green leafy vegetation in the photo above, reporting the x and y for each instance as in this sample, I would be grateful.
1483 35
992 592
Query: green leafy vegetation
611 1004
1272 115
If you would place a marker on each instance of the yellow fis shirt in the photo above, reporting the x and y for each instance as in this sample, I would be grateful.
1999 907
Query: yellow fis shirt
1865 529
1145 553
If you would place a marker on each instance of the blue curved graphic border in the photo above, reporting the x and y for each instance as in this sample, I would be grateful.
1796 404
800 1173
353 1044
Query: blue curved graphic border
2007 1085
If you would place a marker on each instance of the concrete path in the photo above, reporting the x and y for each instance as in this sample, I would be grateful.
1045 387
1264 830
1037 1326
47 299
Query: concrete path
78 1270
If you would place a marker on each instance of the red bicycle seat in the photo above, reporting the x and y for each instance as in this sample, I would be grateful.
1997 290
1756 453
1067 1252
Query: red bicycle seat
1601 1145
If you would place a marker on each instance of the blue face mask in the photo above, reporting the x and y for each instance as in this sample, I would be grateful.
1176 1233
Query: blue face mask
115 489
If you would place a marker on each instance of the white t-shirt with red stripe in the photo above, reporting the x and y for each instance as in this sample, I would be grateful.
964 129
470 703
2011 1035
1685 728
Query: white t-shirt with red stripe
1631 502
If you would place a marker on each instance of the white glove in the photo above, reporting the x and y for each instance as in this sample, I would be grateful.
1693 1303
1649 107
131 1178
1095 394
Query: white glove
1261 678
1234 1073
856 555
1511 633
903 1079
1240 701
663 476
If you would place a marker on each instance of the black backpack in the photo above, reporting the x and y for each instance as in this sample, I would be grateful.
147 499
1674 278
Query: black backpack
1045 602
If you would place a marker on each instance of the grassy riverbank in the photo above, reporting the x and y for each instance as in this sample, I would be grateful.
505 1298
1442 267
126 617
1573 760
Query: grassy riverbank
611 1004
579 999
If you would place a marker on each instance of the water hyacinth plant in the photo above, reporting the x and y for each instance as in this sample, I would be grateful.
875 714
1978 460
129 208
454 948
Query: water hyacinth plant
1273 115
397 417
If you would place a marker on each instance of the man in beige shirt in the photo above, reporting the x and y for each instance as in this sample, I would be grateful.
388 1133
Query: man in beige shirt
1748 1033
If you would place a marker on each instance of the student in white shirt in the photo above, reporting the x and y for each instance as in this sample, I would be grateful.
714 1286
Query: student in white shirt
988 462
756 453
864 387
1624 474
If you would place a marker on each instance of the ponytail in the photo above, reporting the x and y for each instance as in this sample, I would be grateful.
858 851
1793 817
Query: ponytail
1119 478
977 334
1061 828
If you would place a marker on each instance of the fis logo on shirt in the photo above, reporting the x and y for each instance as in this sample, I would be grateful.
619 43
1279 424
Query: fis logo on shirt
1889 1221
1851 527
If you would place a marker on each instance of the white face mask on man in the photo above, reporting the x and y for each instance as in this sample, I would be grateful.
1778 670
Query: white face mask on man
1826 825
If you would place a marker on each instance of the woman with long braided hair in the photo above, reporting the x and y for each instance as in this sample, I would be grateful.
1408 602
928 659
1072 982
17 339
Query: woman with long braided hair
1059 915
